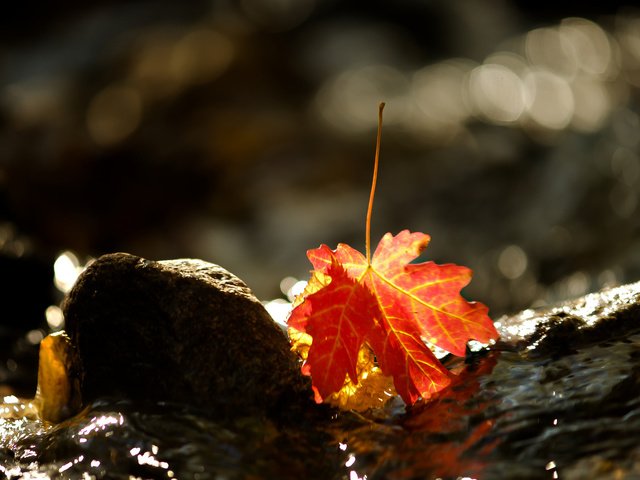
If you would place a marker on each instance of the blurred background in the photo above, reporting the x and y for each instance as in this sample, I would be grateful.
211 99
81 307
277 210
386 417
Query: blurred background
242 132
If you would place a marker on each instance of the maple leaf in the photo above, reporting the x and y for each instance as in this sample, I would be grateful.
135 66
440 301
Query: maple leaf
370 389
389 304
392 305
342 316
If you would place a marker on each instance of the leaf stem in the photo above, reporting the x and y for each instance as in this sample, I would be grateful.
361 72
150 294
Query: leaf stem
373 184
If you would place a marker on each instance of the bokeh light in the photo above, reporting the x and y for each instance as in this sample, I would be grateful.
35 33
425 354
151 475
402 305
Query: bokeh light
55 317
113 114
512 262
549 99
345 102
497 93
278 15
239 134
437 94
66 269
553 78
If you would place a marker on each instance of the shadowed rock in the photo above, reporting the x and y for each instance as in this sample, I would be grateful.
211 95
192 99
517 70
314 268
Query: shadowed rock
182 331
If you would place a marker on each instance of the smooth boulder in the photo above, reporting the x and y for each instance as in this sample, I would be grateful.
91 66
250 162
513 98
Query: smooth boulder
183 331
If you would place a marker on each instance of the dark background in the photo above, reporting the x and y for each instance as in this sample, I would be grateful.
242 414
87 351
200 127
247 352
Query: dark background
243 133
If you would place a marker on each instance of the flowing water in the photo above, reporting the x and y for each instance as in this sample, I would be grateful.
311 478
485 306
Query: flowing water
508 417
557 397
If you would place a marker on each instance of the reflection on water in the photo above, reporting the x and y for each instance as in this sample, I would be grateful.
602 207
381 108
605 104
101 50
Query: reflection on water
505 417
116 439
12 407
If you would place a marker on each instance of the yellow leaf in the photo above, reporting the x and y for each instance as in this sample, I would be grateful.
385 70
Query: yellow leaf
372 390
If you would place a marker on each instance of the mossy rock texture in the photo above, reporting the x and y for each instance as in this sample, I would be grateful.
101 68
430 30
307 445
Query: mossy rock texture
182 331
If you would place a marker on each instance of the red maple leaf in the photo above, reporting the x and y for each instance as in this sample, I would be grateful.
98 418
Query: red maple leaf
342 316
391 305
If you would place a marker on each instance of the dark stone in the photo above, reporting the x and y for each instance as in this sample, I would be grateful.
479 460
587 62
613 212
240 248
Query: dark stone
564 392
181 331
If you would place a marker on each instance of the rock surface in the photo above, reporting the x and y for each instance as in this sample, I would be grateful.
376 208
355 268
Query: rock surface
183 331
608 315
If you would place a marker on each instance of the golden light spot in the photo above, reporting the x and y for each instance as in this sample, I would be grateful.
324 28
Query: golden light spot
512 262
114 114
200 56
54 316
278 15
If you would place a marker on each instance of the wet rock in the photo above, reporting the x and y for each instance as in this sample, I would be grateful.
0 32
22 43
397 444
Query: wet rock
564 396
608 315
183 331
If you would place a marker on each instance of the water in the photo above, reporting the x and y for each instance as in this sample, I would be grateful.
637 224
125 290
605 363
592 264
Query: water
509 416
557 397
116 439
